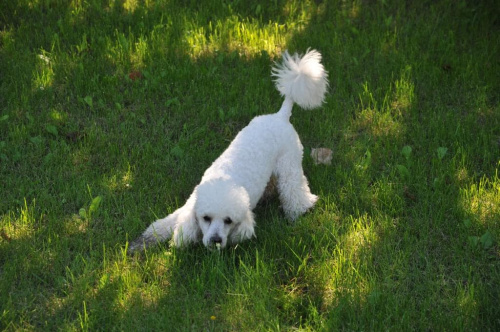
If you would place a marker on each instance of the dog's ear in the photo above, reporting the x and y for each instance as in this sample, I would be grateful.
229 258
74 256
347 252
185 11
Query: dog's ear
245 229
187 230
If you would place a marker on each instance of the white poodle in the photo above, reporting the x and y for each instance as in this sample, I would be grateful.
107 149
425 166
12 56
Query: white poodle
219 211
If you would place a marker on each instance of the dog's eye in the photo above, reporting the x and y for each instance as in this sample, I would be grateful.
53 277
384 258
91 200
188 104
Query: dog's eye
207 218
228 221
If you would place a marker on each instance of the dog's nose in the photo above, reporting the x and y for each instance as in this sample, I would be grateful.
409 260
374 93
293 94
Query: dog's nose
216 239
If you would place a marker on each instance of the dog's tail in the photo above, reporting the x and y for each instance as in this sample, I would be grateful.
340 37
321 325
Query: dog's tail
301 80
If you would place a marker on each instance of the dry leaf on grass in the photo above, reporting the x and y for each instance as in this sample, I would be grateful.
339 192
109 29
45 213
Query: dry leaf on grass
322 156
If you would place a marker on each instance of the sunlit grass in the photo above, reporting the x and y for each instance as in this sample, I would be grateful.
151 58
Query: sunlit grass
20 224
247 37
44 75
120 180
481 201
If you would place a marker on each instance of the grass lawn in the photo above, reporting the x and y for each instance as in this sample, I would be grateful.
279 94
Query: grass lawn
110 111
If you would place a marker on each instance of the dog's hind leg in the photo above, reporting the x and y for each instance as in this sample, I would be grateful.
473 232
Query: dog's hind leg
295 195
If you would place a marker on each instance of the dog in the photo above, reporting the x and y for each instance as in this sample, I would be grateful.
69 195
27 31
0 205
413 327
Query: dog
219 211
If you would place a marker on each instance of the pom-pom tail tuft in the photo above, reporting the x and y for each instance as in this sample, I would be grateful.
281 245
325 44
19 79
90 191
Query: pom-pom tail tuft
302 79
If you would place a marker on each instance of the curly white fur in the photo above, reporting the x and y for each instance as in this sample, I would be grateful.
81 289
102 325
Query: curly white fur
219 211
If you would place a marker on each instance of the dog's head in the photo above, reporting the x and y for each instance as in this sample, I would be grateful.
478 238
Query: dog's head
222 211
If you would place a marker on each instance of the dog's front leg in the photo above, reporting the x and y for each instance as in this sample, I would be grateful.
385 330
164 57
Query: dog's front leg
159 231
180 225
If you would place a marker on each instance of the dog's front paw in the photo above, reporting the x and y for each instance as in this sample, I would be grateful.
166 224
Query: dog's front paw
139 244
136 245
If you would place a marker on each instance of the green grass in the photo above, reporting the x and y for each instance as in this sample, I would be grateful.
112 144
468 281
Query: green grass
112 110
